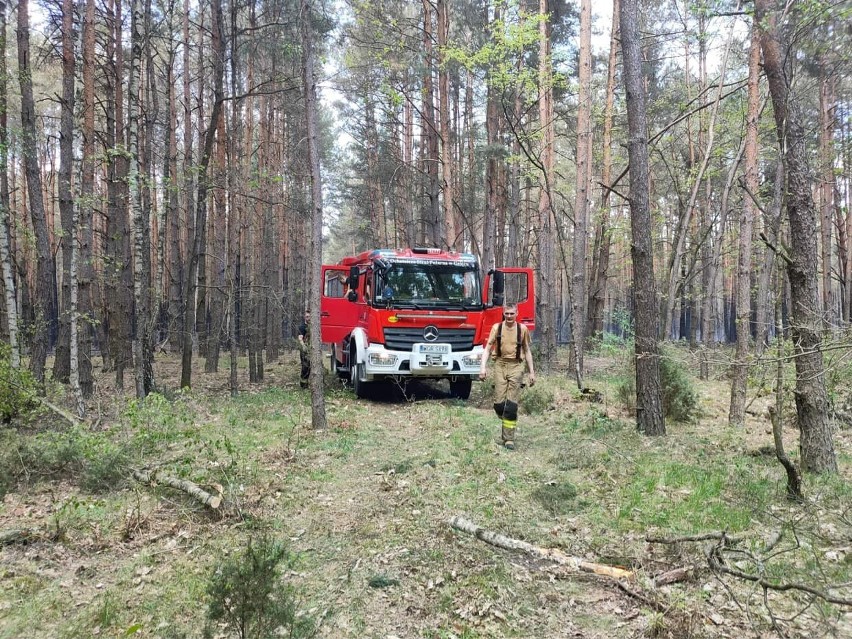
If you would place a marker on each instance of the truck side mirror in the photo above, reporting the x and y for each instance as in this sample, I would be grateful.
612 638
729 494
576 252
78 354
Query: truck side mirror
352 283
498 288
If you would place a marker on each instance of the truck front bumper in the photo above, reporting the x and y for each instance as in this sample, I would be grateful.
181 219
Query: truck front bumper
423 360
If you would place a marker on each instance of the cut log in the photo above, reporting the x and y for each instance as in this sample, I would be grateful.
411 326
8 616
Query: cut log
549 554
191 489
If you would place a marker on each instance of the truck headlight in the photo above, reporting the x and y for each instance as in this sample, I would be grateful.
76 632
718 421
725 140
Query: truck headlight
380 359
472 360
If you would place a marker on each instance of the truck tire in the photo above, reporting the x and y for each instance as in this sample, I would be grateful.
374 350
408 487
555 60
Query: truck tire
356 370
460 389
359 387
335 365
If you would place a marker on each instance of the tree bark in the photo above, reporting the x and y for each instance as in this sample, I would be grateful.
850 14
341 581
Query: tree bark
218 58
450 232
61 362
649 406
827 185
5 210
318 418
579 289
44 307
603 234
117 273
86 205
816 440
433 221
736 414
548 229
140 275
492 133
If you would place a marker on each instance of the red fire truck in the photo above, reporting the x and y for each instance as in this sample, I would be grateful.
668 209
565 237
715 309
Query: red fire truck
416 313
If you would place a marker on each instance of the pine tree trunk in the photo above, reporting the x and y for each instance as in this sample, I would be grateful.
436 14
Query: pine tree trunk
450 232
378 228
603 234
171 230
772 229
318 418
201 316
189 183
739 381
432 218
218 55
217 290
649 406
547 274
87 190
816 442
44 307
117 271
488 255
66 197
827 185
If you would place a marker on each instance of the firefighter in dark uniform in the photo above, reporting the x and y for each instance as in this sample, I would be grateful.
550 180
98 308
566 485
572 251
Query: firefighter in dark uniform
510 341
304 338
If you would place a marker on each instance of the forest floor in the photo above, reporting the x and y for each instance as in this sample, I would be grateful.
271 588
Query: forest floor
363 509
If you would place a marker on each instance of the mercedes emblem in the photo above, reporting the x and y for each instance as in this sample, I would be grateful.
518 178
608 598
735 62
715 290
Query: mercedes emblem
430 333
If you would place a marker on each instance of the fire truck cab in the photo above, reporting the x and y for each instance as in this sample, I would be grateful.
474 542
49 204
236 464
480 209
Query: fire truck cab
416 313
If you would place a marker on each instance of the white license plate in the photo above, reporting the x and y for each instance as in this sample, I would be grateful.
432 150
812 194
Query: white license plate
435 348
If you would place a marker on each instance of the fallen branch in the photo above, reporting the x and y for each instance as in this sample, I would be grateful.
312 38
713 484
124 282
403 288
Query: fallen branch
61 412
194 490
731 539
549 554
717 563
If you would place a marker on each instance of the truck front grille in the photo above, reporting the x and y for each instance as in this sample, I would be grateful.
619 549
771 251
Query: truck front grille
402 339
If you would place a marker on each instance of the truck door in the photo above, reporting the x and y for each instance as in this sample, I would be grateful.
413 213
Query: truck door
520 289
337 314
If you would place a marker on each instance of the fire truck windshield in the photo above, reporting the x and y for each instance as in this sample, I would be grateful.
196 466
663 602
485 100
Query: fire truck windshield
428 284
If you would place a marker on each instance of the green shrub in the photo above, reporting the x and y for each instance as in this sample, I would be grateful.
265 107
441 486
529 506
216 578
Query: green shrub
680 402
247 596
679 399
95 459
18 389
536 400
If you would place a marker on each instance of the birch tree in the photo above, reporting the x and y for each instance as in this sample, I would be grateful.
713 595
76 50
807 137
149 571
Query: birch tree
581 195
5 211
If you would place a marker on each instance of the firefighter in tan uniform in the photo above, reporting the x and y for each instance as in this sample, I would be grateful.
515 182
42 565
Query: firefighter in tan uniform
510 341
